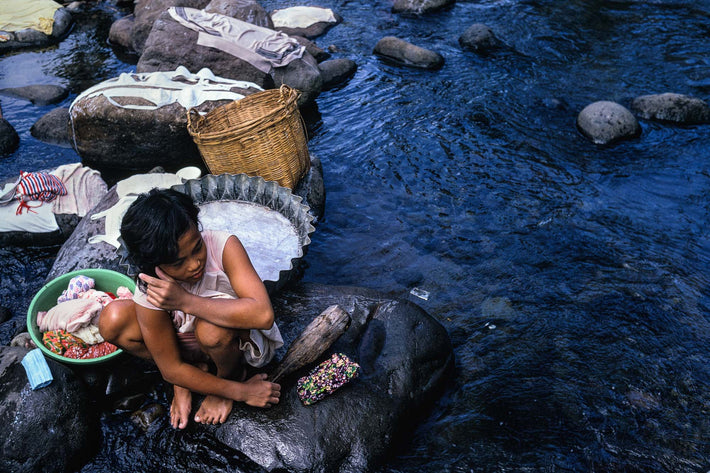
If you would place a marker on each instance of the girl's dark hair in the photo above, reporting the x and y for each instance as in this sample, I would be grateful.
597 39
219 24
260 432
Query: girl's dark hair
152 225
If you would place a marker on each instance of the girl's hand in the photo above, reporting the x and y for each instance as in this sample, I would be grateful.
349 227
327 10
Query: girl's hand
163 291
260 392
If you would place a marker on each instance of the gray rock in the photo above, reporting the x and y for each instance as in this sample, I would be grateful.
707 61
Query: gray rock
312 189
23 340
336 71
9 139
246 10
33 38
418 7
480 39
121 32
41 94
108 137
351 430
52 429
407 54
301 74
606 122
318 53
171 45
147 11
670 107
54 127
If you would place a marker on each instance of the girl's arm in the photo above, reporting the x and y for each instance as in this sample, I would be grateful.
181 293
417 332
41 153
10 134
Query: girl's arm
161 341
252 309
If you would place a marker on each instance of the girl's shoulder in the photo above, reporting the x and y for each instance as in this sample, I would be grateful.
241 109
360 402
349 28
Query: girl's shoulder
215 240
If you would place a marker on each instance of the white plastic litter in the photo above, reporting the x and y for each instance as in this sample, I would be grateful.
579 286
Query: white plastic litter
420 293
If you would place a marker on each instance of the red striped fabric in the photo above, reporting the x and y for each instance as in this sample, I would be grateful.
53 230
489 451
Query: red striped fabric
39 186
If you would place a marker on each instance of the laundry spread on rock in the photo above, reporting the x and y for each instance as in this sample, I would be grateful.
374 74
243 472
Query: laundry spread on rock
302 17
166 87
16 15
263 48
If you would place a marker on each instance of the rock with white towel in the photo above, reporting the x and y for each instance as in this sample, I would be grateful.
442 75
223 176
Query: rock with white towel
135 122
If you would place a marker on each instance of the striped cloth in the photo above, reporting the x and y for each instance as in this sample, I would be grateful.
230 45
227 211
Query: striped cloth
37 186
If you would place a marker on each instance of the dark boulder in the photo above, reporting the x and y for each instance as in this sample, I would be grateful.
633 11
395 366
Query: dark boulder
54 127
9 139
480 39
312 30
147 11
51 429
336 71
121 33
246 10
109 136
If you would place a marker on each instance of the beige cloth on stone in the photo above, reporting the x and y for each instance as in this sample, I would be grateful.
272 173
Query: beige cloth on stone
16 15
85 188
302 17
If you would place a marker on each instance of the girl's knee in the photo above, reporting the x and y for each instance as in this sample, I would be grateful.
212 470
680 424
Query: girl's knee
212 336
115 318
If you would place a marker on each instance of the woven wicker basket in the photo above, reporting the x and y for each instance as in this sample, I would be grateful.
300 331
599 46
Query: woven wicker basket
260 135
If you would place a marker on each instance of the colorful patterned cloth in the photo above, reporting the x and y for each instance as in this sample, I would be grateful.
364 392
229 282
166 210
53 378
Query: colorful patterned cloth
59 341
77 285
326 378
93 351
37 186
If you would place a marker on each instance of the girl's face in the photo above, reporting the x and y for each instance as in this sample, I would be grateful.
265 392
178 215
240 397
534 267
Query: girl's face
192 254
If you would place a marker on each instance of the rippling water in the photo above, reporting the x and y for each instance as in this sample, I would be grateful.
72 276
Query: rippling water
572 278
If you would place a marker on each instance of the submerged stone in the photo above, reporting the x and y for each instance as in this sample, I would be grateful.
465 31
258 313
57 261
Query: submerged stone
670 107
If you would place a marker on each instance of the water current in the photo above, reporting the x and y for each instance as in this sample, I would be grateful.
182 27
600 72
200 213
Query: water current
572 278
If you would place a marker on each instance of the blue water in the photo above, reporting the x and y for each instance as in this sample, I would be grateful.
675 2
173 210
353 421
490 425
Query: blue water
572 278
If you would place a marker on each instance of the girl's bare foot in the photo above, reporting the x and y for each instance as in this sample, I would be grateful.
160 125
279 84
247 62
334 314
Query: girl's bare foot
180 407
214 410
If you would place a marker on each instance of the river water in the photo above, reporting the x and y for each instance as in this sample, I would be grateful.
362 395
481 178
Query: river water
572 278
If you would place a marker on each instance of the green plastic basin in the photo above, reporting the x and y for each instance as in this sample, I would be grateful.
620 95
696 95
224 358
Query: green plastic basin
46 298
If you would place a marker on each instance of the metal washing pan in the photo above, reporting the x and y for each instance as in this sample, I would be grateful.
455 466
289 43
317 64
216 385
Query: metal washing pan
272 223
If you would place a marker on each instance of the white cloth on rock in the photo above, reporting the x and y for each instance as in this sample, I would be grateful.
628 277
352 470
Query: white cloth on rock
302 17
263 48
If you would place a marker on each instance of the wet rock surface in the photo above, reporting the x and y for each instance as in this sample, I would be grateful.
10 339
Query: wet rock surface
399 378
38 94
336 71
52 429
9 139
54 128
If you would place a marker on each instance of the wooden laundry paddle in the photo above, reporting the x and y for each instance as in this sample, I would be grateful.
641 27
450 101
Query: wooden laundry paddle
315 339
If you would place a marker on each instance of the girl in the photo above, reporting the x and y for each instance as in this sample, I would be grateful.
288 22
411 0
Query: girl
198 300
